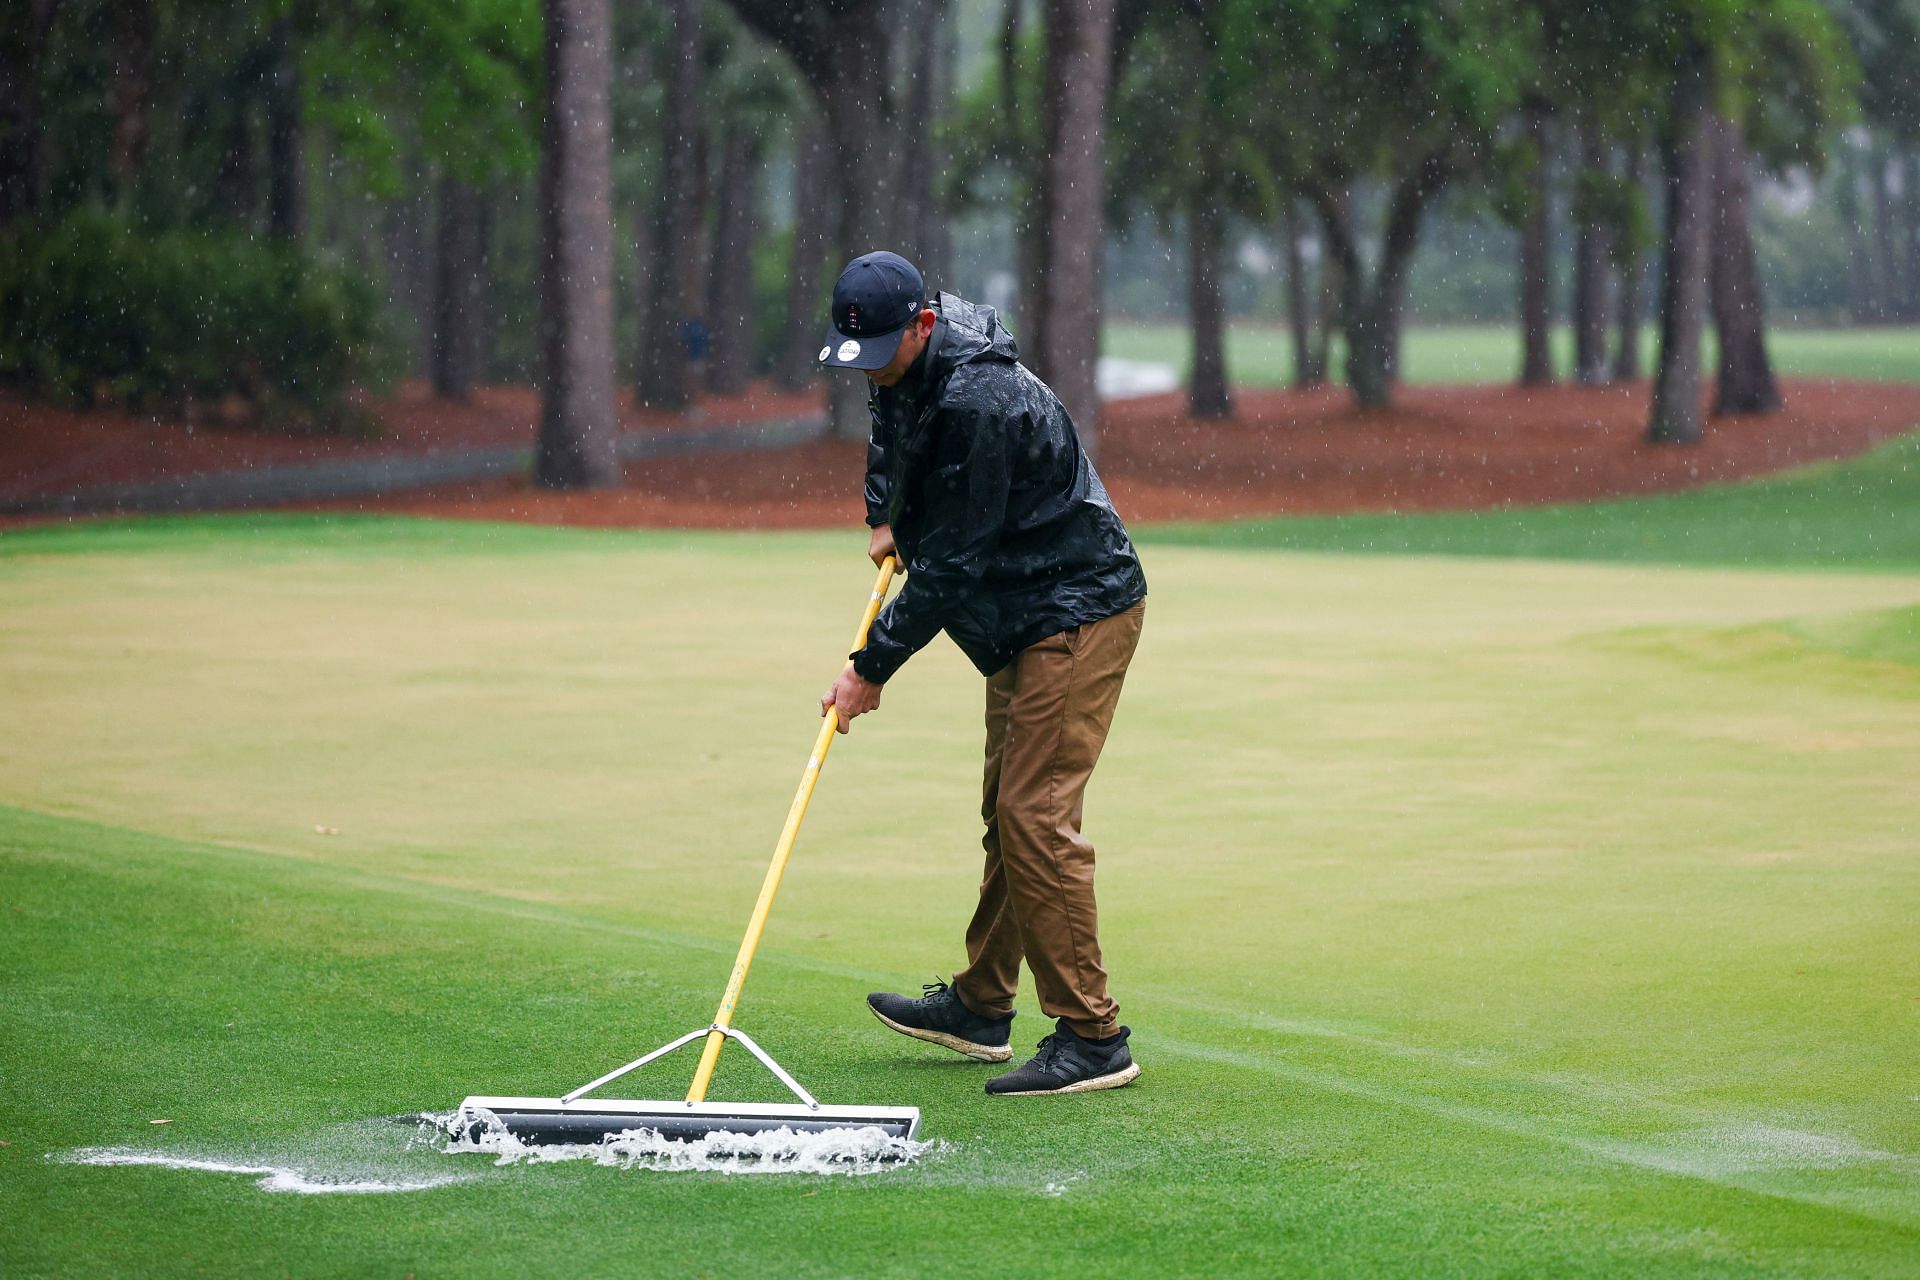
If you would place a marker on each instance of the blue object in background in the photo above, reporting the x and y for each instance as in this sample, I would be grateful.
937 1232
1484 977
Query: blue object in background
694 334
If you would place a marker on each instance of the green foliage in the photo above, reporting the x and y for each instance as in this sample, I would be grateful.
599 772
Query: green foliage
1616 202
460 75
1885 35
992 149
95 312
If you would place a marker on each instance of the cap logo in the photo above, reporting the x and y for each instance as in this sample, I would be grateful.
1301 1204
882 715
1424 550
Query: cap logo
848 349
853 320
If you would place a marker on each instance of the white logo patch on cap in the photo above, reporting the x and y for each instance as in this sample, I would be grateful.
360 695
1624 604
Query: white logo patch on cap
824 353
848 349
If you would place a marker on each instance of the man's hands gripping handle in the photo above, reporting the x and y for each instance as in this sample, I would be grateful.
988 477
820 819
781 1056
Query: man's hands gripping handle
853 694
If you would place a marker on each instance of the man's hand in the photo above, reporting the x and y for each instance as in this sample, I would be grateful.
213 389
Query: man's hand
853 694
880 546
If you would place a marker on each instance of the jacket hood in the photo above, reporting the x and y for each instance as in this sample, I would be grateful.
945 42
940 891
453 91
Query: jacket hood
971 332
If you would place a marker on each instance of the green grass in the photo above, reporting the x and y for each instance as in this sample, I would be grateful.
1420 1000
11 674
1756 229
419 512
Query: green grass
1262 355
1861 513
1475 916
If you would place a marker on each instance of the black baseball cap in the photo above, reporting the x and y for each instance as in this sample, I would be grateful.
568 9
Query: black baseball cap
874 300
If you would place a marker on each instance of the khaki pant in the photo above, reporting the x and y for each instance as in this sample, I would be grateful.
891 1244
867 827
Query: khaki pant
1047 717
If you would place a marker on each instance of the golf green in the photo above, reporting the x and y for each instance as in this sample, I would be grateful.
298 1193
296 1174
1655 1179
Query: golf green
1474 915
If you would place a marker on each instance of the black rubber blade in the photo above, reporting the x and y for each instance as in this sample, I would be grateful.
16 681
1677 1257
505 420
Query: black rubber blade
547 1121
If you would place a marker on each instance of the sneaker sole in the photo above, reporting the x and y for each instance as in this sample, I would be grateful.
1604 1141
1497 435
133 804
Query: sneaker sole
1125 1076
978 1052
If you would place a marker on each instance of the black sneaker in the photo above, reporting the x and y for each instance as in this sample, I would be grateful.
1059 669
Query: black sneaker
939 1018
1068 1064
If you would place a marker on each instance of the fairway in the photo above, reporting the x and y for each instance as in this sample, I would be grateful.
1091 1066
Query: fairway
1473 915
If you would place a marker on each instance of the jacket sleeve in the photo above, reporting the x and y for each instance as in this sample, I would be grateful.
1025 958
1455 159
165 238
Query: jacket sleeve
966 504
878 492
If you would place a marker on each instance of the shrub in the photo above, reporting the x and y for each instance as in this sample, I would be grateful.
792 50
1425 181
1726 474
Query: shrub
183 324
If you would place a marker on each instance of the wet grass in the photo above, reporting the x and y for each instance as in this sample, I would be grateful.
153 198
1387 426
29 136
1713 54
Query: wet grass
1262 355
1474 916
1863 513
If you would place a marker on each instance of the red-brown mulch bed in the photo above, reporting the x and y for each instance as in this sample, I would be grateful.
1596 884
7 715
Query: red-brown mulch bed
1438 448
46 451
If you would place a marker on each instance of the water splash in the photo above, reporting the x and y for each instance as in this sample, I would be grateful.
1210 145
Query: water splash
849 1152
282 1178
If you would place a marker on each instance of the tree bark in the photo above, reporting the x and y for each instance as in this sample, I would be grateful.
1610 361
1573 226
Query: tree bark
1889 269
1032 216
1370 309
1333 291
1910 223
1536 301
1306 373
236 183
1080 43
1913 235
923 237
24 34
664 377
806 312
134 32
1207 394
1590 275
859 175
841 50
1846 200
460 289
732 313
1626 354
1675 417
286 154
579 429
1746 383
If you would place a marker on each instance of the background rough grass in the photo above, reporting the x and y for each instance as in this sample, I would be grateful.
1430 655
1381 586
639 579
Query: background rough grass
1262 355
1474 915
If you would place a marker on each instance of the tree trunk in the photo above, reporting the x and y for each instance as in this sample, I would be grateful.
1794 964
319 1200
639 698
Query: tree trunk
1911 234
1030 204
1370 310
730 279
1746 383
286 158
133 33
459 289
1306 373
923 234
1333 293
1590 275
235 182
1676 417
806 309
1207 394
579 429
842 51
1846 201
1891 261
649 289
858 127
1626 354
1536 303
24 35
1079 41
664 377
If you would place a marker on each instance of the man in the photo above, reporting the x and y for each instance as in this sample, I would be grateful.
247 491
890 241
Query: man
976 480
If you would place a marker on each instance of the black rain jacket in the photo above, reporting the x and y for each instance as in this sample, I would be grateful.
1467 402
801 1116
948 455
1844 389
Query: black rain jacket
1006 532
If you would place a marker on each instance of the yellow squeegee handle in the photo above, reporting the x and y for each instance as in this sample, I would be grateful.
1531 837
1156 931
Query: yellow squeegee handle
723 1016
